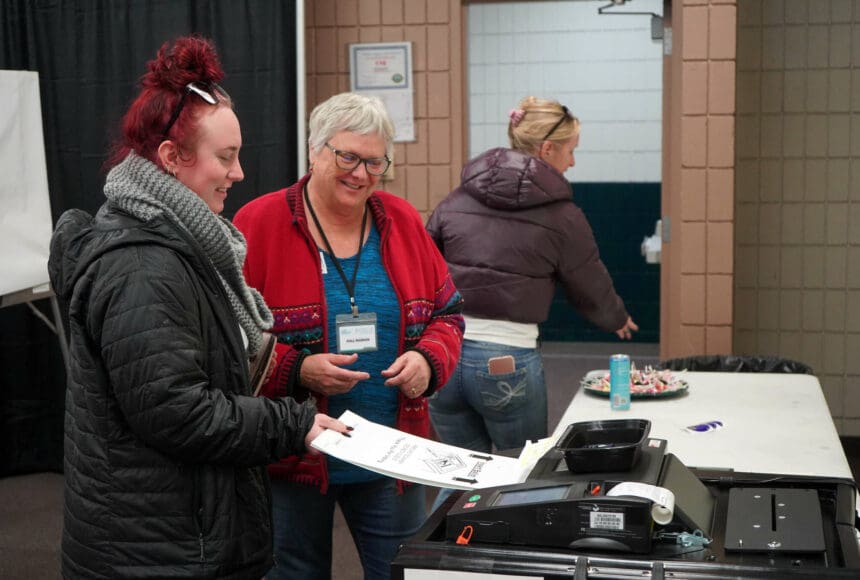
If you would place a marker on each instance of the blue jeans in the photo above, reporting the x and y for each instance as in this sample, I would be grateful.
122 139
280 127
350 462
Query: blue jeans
479 411
379 519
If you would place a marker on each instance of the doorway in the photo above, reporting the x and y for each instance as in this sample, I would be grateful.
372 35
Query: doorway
607 68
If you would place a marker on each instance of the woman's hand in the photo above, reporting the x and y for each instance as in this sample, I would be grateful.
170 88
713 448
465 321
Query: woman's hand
321 423
626 331
323 373
410 372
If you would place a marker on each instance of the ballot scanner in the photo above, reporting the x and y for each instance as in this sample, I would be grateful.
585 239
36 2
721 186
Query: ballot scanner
609 501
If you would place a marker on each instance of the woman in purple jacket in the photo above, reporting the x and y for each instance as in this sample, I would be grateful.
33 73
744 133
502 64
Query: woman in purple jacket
509 232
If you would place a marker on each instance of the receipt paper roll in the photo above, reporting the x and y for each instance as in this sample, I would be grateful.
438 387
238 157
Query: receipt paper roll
663 499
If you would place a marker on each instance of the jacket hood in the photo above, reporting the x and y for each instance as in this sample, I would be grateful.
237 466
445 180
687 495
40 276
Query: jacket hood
80 239
508 179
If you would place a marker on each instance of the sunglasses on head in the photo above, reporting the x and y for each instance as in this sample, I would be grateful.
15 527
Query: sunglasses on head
207 91
565 114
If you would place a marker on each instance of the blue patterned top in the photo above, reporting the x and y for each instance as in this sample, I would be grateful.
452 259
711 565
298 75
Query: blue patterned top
373 293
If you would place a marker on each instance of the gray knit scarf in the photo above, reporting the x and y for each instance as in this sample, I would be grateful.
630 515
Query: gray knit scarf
140 188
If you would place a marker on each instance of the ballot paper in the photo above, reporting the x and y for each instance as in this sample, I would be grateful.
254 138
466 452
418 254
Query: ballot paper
419 460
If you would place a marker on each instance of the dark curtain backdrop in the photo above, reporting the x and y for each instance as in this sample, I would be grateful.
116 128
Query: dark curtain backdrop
89 55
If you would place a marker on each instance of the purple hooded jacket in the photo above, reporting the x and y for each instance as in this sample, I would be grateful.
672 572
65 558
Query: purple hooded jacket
510 231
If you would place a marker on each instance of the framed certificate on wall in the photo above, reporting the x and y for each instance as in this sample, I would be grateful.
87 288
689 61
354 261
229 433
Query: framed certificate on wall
384 69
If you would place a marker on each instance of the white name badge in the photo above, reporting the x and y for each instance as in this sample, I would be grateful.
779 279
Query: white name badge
322 263
356 333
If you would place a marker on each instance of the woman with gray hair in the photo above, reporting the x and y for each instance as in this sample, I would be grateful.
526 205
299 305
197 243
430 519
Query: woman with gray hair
367 319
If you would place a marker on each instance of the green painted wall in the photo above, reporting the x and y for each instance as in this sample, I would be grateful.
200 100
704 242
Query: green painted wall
621 215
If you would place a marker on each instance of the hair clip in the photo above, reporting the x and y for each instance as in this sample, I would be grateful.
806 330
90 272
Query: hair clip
516 115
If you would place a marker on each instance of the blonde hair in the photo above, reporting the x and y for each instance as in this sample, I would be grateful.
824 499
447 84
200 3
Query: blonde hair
532 122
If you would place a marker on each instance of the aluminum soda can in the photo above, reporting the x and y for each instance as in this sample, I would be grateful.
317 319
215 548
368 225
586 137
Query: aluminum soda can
619 382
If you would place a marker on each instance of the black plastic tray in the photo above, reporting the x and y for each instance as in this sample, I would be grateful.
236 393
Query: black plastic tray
609 445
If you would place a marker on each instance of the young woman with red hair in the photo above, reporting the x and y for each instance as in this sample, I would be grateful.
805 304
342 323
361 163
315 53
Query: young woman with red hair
165 448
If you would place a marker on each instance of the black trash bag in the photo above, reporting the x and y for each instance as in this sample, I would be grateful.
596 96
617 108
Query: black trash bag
736 364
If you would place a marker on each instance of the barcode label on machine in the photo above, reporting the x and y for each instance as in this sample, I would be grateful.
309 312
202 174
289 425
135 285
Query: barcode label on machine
607 520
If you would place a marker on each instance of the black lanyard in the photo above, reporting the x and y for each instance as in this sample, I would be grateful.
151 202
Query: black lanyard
350 286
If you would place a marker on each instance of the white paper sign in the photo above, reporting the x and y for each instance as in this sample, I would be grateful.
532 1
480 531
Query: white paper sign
381 66
384 70
25 220
419 460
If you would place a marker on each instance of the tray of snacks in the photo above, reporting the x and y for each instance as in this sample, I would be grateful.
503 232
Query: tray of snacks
648 383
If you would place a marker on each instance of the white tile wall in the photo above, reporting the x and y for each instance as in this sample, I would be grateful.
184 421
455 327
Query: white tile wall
606 68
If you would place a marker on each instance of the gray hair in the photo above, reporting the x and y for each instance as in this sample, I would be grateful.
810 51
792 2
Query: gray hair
361 114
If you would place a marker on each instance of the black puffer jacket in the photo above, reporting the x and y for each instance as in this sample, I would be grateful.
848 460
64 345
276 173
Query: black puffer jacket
163 450
510 232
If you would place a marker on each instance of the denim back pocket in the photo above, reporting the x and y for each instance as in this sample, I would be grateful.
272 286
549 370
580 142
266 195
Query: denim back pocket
504 393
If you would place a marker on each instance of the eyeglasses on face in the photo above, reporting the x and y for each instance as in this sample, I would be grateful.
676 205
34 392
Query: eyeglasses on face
209 94
348 161
565 114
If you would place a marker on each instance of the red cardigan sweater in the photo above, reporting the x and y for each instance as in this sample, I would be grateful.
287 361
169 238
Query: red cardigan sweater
283 263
